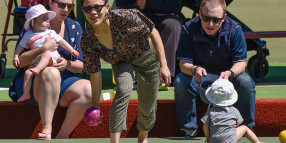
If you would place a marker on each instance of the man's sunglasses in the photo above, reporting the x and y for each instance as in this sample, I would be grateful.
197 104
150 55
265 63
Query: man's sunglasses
63 5
97 8
213 19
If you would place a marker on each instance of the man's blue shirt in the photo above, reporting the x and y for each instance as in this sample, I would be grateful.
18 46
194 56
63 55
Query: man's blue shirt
215 54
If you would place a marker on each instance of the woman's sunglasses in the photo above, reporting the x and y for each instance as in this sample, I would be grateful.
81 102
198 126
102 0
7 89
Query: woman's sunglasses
63 5
213 19
97 8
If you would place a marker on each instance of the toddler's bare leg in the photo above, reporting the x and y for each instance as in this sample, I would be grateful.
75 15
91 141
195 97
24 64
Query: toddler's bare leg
46 60
244 130
27 85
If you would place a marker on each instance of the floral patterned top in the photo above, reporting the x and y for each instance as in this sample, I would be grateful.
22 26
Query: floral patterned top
130 31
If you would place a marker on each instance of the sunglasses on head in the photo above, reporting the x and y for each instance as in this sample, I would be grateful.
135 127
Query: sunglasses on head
97 8
213 19
63 5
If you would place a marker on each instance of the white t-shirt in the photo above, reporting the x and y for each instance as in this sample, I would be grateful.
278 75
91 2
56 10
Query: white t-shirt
34 40
38 38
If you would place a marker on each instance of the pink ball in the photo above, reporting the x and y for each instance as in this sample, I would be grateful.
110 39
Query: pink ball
92 116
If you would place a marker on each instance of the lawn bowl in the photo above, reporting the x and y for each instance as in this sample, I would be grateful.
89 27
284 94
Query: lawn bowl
282 136
92 116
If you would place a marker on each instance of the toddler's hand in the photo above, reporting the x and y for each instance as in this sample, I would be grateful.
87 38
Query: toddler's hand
75 53
16 62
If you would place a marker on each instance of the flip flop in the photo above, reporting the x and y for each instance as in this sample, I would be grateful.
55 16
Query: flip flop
44 136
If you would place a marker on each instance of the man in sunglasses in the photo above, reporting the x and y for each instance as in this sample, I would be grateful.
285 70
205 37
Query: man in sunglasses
211 44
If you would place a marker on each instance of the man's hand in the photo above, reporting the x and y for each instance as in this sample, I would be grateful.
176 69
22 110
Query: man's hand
225 75
199 72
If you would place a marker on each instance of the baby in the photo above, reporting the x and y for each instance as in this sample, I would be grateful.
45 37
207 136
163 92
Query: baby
37 26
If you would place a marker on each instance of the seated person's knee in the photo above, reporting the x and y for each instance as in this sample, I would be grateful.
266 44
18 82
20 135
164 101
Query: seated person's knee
50 73
244 80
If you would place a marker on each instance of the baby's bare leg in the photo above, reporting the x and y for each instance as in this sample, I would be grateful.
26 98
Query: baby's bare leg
46 60
27 85
244 130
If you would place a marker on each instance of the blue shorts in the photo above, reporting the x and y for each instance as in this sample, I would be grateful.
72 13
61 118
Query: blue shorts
67 81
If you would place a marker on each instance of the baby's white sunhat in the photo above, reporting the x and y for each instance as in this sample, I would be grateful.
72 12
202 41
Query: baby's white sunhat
221 93
36 11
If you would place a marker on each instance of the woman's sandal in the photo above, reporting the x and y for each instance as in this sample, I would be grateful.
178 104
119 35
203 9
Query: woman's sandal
44 136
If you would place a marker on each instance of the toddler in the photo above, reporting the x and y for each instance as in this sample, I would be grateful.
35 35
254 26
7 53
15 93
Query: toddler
221 122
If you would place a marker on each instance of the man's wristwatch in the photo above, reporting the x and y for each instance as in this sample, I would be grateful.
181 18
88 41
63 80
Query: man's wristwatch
231 75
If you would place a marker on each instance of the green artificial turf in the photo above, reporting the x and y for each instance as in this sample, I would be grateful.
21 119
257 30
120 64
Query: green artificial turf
133 140
261 92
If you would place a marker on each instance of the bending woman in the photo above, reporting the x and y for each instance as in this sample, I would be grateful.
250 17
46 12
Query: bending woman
129 41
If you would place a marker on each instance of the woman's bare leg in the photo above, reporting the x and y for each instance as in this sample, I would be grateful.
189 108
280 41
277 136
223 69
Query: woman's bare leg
114 137
77 98
142 137
244 130
46 92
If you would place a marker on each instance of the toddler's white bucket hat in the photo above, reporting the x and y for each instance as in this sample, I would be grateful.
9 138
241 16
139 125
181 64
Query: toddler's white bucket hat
221 93
36 11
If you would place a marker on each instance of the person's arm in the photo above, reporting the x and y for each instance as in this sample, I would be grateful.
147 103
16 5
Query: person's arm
68 47
19 49
185 54
96 87
74 65
27 57
239 54
158 45
188 68
237 69
206 132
